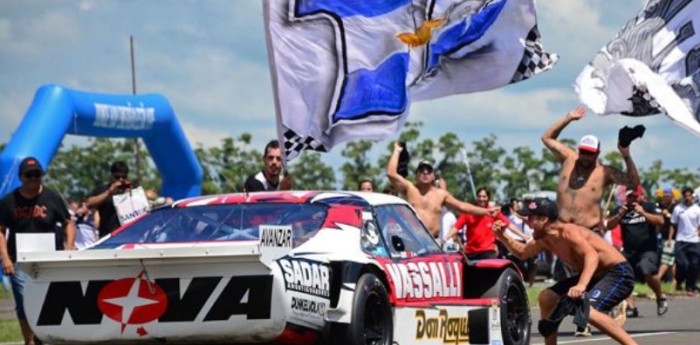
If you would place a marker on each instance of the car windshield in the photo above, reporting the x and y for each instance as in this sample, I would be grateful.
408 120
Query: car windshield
235 222
399 222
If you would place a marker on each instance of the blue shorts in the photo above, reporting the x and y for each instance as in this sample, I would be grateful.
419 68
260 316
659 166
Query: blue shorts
18 279
605 290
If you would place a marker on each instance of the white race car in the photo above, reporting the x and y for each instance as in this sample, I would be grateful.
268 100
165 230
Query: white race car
274 267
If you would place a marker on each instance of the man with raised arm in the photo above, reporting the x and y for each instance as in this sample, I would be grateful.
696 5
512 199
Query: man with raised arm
605 278
425 197
583 178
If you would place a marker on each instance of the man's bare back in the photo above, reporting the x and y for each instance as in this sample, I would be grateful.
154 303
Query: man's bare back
603 271
559 240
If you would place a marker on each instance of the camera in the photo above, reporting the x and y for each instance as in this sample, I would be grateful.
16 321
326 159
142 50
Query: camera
124 186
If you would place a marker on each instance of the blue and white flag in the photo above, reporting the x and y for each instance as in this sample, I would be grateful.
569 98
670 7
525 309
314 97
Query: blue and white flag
347 69
651 67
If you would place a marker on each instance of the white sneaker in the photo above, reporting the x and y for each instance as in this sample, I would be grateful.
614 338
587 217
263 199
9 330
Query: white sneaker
585 332
619 313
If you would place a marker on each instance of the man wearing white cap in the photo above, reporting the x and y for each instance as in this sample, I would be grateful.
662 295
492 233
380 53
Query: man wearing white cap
583 178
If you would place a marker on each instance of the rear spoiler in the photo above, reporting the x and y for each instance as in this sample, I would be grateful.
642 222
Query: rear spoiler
186 253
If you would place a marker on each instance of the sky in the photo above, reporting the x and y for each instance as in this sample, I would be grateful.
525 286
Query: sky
209 59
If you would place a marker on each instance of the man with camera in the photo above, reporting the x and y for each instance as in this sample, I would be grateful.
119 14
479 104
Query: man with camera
639 221
101 197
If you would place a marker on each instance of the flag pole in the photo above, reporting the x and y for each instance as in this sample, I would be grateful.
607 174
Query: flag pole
610 196
469 171
137 144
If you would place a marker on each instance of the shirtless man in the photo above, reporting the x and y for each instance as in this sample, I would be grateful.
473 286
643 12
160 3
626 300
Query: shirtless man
583 178
425 197
604 273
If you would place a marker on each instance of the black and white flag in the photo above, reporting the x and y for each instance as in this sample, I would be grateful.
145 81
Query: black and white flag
651 67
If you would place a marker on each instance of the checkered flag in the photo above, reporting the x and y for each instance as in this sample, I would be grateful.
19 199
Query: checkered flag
535 60
643 103
294 144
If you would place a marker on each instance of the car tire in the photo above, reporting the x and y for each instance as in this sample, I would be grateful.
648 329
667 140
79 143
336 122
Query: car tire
372 321
515 311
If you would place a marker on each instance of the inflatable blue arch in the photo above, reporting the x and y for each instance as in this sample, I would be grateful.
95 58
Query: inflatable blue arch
57 111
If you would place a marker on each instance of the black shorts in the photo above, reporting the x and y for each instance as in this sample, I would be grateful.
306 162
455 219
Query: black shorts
644 263
605 291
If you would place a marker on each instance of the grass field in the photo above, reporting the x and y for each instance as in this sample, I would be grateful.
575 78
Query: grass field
9 331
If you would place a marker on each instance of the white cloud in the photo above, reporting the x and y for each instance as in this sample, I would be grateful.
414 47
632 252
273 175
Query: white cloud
497 108
569 19
29 36
206 137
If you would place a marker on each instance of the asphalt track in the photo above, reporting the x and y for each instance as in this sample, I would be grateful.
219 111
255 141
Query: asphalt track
680 326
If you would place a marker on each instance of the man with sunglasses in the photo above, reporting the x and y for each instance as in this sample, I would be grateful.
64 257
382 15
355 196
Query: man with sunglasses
31 208
425 197
100 198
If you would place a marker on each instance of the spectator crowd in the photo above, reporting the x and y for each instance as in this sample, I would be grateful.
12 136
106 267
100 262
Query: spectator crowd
658 238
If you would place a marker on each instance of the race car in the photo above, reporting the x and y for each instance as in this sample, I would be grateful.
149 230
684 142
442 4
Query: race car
274 267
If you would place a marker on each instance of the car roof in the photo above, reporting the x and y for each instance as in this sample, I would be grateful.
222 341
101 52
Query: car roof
327 197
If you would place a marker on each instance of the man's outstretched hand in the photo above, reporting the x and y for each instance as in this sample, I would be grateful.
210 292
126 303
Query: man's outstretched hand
577 113
498 227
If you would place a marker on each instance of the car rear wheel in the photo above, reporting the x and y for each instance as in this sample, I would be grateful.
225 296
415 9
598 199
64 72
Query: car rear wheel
515 311
372 322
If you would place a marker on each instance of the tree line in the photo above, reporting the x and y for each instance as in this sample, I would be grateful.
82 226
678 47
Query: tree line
76 170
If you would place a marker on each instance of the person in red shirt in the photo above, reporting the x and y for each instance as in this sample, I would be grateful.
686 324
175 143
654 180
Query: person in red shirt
480 241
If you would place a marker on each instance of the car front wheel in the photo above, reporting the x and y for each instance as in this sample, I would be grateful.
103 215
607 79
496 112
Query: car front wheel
515 311
372 322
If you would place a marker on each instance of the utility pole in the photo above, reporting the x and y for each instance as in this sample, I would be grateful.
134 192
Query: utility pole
137 143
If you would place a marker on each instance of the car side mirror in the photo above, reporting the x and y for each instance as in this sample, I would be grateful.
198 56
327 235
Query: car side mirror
370 235
397 242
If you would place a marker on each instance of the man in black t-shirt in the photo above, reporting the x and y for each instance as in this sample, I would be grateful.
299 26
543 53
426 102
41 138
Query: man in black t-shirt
639 221
31 208
100 198
271 177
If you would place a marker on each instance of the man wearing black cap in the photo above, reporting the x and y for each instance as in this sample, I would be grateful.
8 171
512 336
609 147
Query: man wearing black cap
101 200
31 208
583 179
425 197
605 277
